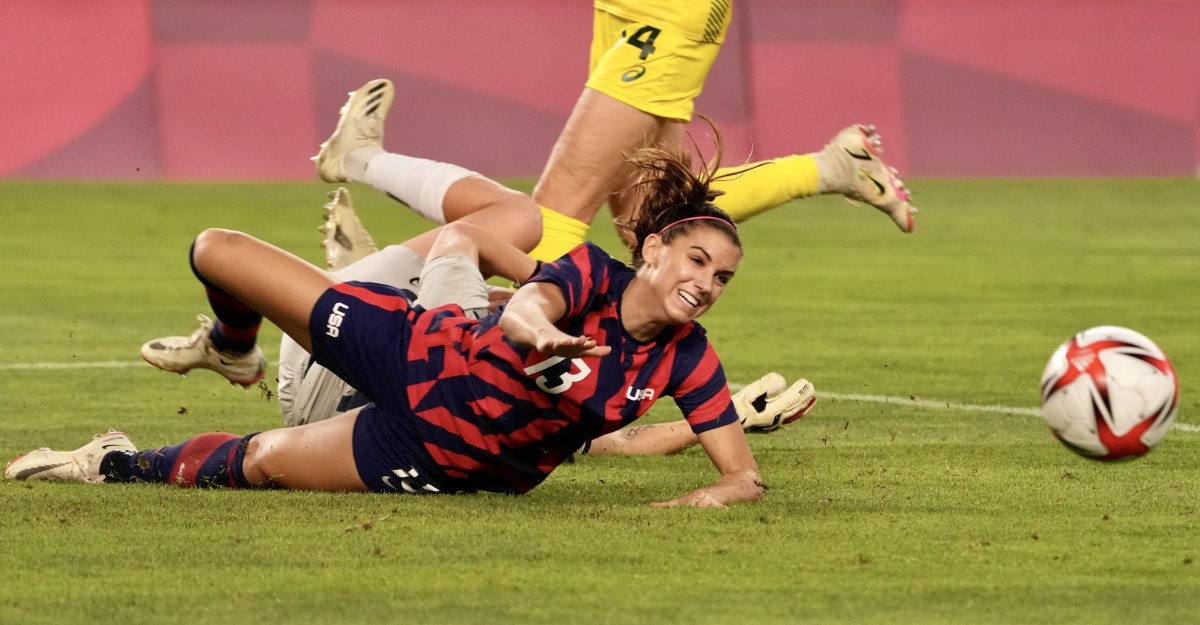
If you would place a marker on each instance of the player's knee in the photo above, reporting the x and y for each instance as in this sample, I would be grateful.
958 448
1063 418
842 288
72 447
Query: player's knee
455 238
262 459
524 220
212 241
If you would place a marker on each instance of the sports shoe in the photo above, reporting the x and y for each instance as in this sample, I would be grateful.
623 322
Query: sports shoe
360 126
81 465
765 406
859 173
180 354
346 240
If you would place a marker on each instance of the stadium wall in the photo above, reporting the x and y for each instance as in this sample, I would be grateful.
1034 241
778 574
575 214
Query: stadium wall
246 89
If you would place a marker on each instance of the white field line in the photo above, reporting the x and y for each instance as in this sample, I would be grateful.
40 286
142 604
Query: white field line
930 404
936 404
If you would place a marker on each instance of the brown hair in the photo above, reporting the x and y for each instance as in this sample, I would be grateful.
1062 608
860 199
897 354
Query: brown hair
671 198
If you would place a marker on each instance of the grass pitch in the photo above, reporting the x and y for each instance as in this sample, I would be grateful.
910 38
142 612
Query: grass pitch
894 501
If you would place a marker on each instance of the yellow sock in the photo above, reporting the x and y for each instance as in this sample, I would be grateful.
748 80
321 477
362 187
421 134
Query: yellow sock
768 186
560 234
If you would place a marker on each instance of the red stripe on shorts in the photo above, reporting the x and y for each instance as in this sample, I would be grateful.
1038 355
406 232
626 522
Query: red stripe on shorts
379 300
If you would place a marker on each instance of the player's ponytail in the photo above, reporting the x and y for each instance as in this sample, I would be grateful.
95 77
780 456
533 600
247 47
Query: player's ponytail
671 198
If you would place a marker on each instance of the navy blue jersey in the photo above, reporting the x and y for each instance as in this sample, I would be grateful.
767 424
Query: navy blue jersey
478 412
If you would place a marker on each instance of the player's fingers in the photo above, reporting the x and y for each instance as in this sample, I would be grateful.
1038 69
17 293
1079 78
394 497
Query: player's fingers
564 345
705 500
695 499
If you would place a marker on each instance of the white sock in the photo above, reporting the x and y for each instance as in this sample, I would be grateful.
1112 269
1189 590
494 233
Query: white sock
418 182
354 164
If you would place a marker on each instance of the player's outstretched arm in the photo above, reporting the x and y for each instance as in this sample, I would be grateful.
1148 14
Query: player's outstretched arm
726 447
528 320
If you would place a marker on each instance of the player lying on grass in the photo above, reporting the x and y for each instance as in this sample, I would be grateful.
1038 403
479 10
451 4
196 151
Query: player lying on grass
309 392
586 345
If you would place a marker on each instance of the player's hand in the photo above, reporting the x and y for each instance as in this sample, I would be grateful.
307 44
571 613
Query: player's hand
767 404
566 346
738 486
697 499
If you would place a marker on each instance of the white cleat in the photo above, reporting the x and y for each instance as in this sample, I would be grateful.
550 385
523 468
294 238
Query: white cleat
866 179
767 404
81 465
346 240
180 354
360 126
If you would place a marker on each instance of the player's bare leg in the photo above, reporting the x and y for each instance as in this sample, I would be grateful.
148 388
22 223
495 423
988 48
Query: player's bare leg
316 456
508 215
281 286
586 165
246 280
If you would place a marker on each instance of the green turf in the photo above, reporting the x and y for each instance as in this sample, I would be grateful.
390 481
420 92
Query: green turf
921 511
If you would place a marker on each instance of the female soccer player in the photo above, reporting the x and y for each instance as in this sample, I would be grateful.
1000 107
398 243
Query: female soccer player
585 346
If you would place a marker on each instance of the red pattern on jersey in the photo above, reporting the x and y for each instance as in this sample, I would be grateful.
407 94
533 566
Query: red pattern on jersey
483 416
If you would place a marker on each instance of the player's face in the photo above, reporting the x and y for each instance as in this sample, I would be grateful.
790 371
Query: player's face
690 273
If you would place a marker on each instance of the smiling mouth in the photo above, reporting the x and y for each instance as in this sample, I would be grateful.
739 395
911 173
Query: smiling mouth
687 297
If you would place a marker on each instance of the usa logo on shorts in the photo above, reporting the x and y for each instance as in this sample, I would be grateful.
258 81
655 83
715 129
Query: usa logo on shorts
334 323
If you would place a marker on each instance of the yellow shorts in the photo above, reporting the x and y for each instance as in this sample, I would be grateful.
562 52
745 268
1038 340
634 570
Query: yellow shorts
653 70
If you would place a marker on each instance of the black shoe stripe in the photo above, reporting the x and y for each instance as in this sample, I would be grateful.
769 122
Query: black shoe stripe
31 471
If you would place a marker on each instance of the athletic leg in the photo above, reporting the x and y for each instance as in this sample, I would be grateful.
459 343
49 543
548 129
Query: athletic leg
275 283
245 279
585 167
317 456
441 192
506 214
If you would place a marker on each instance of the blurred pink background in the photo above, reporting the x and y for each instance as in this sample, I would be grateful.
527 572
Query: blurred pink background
246 89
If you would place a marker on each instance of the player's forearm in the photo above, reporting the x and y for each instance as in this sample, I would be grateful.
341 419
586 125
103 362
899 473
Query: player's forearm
496 256
656 439
524 322
499 258
527 321
726 447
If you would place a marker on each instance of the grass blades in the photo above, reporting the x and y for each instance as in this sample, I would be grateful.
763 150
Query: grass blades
919 510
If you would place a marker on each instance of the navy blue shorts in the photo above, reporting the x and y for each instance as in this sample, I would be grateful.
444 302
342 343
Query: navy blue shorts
360 331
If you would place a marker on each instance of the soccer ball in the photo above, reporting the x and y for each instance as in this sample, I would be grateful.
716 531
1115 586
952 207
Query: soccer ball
1109 393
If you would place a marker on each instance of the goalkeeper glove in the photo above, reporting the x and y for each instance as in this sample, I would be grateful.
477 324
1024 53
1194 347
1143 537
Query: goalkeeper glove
765 406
